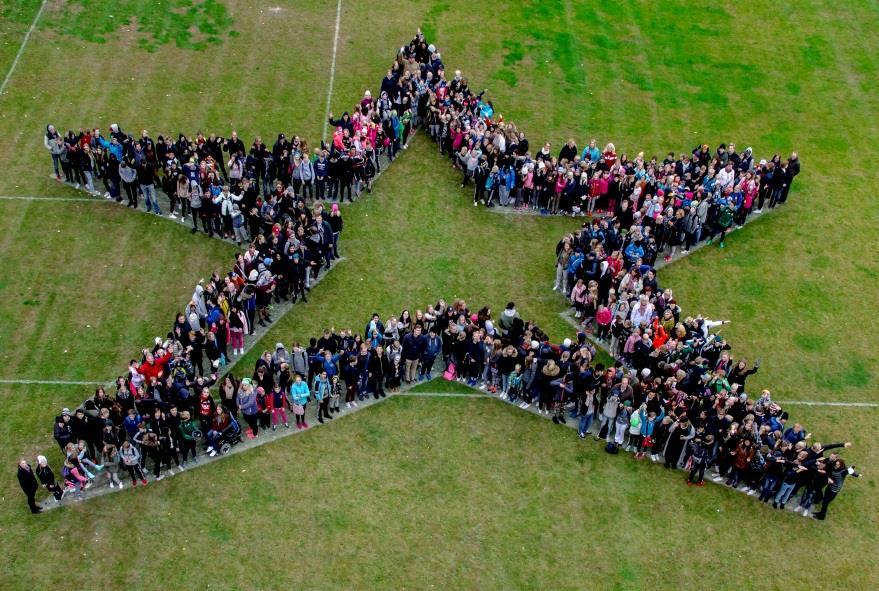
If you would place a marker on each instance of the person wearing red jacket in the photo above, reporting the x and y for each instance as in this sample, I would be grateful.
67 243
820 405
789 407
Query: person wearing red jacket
154 367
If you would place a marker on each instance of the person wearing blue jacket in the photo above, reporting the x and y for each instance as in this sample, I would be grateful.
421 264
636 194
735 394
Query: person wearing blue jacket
634 251
506 182
649 420
322 389
299 395
433 347
574 264
328 362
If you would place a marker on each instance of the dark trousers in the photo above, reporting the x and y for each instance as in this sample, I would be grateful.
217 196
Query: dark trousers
829 495
187 447
697 472
32 501
131 193
252 422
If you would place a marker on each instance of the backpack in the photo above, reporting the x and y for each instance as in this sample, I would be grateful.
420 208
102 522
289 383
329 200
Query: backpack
611 448
449 374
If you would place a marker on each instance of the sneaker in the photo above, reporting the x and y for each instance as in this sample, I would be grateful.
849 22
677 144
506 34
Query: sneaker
180 468
581 435
134 483
305 425
212 453
689 483
77 186
347 405
160 477
354 403
758 211
287 425
112 485
683 252
209 449
143 482
172 215
700 483
121 485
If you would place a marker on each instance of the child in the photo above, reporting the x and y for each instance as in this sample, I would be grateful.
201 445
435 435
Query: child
514 384
110 455
276 401
131 462
700 451
264 412
73 479
396 376
335 394
299 394
603 318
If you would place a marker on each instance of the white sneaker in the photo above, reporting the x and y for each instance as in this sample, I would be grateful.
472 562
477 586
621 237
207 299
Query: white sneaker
77 186
354 402
121 485
173 216
112 485
347 405
160 477
758 211
212 453
179 469
685 252
107 195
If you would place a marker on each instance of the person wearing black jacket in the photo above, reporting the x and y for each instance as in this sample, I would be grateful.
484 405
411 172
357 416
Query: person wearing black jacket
233 145
28 482
838 472
377 368
47 478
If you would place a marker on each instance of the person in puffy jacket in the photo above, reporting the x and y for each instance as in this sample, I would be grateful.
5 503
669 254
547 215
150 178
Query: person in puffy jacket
299 395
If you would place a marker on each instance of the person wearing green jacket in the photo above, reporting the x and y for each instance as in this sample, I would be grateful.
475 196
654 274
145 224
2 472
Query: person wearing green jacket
188 430
725 217
299 395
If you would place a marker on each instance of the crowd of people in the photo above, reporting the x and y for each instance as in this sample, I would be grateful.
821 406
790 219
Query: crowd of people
682 401
674 393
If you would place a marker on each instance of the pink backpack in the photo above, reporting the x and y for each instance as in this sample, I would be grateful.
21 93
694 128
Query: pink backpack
449 374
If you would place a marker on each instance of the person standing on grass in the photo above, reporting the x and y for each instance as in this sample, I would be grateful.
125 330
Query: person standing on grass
29 485
836 476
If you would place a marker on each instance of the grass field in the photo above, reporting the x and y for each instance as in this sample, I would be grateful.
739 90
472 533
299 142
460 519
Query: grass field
443 492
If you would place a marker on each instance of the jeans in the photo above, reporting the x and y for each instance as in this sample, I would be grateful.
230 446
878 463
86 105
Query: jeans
149 195
784 492
89 184
336 244
56 160
585 423
609 422
319 189
426 367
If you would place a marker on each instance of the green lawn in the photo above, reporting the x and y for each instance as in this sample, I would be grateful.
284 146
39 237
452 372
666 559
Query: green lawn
445 492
